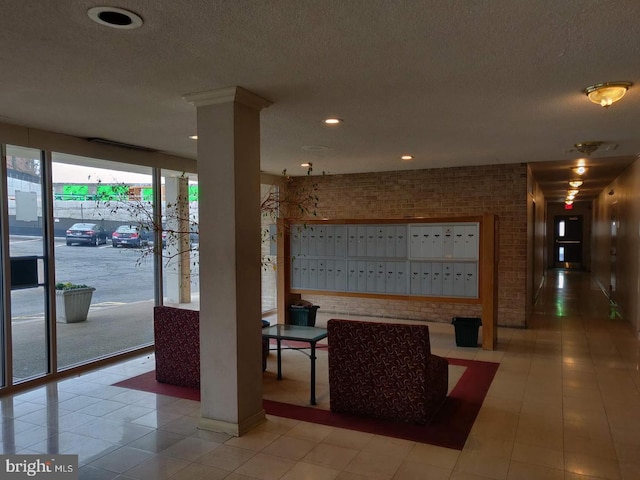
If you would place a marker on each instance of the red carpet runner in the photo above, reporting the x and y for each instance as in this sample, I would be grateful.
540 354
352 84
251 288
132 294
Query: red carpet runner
449 428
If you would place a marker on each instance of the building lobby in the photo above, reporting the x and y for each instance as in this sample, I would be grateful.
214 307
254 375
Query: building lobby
229 129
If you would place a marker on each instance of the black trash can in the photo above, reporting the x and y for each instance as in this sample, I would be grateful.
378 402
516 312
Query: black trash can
466 331
303 313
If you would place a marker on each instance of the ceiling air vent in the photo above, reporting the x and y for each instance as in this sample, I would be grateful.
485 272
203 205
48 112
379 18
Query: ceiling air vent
120 144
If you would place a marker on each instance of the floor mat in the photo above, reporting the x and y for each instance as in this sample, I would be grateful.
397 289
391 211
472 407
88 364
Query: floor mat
449 428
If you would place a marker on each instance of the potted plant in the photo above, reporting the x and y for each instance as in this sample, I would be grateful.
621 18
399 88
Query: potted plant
72 302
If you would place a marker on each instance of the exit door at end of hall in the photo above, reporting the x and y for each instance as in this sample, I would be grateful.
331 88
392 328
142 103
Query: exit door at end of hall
567 247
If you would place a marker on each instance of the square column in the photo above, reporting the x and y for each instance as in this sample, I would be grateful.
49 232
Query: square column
178 250
229 222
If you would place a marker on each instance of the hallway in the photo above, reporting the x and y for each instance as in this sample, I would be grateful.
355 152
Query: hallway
573 385
564 404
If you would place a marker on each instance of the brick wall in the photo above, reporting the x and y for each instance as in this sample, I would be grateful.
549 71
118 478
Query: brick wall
442 192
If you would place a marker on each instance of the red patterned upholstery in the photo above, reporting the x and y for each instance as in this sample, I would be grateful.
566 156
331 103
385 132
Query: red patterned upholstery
384 370
177 346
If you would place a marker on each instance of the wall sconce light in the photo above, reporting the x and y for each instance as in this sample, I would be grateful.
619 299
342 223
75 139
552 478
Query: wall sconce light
576 183
606 94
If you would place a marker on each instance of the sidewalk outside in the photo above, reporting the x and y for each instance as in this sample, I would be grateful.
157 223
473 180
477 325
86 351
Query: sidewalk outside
109 328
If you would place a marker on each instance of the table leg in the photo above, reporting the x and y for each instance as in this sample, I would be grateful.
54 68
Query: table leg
313 373
279 360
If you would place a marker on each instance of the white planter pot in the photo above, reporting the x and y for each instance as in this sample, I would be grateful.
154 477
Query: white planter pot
73 305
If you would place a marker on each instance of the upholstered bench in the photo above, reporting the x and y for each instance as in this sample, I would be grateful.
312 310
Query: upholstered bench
384 370
177 346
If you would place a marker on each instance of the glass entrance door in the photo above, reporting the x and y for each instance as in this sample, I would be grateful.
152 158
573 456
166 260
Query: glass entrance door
27 327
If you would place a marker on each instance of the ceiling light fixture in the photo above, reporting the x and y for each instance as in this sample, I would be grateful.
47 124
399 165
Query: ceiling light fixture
576 183
306 164
332 121
606 94
581 170
193 137
407 157
568 202
573 192
587 147
115 17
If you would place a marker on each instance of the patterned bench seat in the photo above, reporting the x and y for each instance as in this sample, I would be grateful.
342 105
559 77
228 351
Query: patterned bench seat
384 370
177 346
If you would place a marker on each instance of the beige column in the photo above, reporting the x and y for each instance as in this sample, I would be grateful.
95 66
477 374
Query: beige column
229 221
177 269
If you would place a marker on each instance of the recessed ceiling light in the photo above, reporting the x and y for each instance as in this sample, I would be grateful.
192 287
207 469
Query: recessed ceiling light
193 137
332 121
581 170
407 157
115 17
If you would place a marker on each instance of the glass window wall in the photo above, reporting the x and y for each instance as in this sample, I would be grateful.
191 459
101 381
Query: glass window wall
28 325
103 244
269 195
103 258
180 240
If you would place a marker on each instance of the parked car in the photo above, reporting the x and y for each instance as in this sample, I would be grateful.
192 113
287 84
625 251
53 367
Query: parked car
194 236
130 236
86 233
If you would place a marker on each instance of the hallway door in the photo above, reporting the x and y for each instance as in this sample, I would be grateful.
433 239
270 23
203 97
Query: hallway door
568 241
613 249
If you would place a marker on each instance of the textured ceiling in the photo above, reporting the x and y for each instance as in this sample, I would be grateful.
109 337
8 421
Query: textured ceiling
452 82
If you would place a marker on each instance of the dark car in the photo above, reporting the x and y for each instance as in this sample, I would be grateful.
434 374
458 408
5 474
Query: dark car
194 236
86 233
130 236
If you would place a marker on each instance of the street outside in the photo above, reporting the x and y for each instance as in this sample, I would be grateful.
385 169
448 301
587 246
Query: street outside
121 313
120 275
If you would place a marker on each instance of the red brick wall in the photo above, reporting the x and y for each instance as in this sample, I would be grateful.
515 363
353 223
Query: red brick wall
443 192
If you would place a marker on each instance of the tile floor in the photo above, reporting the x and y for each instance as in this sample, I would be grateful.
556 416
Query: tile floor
565 404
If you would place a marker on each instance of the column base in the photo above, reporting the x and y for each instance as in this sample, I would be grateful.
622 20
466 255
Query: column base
235 429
